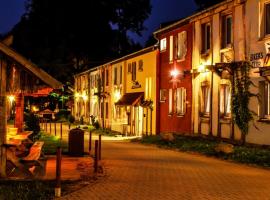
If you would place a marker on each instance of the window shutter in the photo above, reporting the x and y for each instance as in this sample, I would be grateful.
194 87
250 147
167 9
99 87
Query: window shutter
262 99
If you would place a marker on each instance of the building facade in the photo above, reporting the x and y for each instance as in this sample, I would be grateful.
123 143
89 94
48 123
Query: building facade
175 78
121 94
187 84
231 32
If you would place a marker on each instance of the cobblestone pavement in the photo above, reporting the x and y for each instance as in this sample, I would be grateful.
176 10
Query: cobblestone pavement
145 172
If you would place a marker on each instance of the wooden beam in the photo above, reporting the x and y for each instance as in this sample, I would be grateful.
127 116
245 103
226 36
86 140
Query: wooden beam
3 111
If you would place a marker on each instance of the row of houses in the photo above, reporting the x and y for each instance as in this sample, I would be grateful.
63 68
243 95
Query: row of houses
184 84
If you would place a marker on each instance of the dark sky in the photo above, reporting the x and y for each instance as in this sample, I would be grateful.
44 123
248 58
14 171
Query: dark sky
163 10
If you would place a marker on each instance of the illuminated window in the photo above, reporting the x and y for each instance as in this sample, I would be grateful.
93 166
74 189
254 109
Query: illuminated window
163 44
162 95
181 48
206 37
225 100
170 101
171 49
205 100
227 33
264 88
181 101
267 18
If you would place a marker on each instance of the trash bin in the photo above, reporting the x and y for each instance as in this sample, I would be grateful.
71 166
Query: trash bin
76 142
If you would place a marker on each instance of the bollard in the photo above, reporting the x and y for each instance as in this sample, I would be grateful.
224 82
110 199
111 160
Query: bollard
46 126
90 142
96 157
55 128
50 128
58 173
61 129
99 147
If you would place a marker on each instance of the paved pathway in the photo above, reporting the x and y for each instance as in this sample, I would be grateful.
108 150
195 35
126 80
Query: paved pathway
144 172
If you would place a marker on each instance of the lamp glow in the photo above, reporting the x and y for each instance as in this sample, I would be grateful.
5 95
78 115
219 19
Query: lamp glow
117 95
174 73
77 95
201 68
11 98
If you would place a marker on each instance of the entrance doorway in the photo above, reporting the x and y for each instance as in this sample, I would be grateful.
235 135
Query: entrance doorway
138 121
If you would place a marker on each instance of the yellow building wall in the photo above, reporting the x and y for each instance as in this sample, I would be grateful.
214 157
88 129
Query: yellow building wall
118 90
149 72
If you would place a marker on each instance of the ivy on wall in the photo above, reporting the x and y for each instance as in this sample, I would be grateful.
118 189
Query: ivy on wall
241 95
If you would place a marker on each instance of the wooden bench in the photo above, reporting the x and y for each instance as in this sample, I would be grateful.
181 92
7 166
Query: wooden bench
35 159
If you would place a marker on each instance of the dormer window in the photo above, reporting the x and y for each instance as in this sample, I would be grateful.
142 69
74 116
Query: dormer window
163 44
227 33
206 37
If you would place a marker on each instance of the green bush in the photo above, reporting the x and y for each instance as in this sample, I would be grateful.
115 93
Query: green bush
62 115
71 119
51 143
32 123
242 154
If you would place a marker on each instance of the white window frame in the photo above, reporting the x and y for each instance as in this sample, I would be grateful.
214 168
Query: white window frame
267 14
225 42
225 100
205 100
181 101
181 49
163 44
170 101
171 49
204 39
265 100
162 97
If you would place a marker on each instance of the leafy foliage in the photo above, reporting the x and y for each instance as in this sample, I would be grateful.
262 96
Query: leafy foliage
66 37
32 123
242 115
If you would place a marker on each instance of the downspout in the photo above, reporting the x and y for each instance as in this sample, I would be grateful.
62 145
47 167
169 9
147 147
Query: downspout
157 88
212 79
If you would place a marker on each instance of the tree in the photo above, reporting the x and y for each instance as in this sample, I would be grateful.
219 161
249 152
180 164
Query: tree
66 37
206 3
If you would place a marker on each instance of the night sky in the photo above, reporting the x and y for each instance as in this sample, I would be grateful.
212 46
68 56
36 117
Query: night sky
163 10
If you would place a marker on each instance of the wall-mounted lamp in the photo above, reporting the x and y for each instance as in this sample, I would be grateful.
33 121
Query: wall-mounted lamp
11 98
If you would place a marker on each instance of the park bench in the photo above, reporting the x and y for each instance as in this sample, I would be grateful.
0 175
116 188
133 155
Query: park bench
30 166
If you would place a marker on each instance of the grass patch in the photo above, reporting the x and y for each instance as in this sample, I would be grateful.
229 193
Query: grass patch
51 143
25 190
242 154
106 132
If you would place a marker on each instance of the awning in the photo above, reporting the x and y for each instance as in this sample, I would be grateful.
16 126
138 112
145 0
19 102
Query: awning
146 104
130 99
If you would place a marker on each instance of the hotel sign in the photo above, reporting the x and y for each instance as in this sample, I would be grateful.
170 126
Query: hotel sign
256 59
